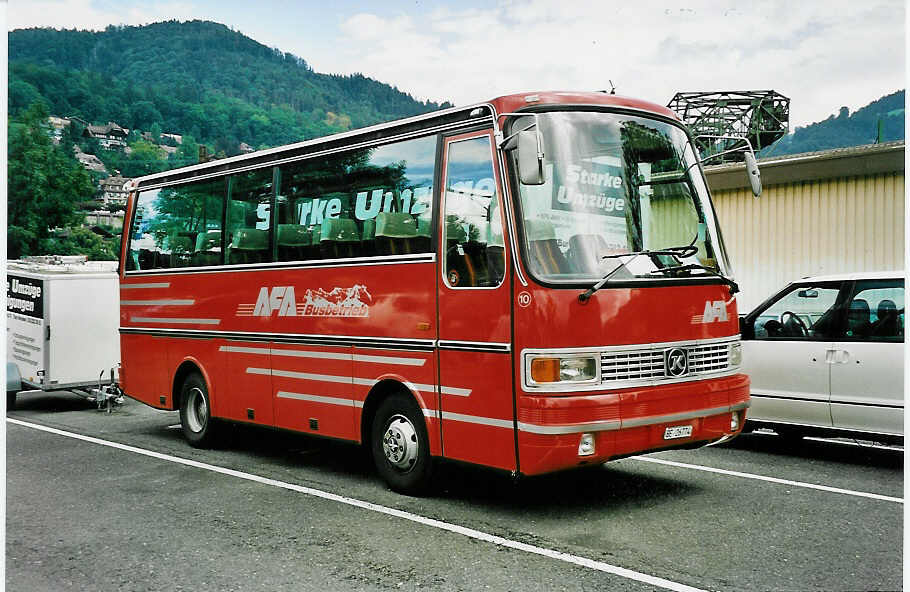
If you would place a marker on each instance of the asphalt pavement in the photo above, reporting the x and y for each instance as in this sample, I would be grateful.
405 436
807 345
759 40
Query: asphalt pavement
119 501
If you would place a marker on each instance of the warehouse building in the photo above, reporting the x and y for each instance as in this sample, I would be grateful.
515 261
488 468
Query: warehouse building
820 213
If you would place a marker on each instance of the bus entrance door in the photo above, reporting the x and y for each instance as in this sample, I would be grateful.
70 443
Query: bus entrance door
475 357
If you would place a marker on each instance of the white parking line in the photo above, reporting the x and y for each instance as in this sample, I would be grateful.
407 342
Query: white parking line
876 496
454 528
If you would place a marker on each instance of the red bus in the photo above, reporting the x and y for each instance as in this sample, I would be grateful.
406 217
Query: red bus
533 283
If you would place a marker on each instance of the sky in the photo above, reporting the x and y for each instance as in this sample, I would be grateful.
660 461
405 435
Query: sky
822 54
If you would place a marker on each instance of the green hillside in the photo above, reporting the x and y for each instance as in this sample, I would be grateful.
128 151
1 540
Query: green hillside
193 78
881 120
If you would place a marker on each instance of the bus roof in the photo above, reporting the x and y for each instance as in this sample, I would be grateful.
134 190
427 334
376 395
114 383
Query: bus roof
435 120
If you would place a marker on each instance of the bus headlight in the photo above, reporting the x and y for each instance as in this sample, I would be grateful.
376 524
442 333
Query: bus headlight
573 369
736 355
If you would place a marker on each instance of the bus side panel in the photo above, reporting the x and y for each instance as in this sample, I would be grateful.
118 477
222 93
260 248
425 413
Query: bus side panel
145 372
477 424
311 386
245 380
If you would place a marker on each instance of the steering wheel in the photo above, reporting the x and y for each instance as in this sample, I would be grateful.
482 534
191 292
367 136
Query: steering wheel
793 320
683 251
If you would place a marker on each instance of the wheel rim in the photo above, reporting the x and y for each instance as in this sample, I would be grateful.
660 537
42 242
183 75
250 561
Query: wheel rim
399 443
197 412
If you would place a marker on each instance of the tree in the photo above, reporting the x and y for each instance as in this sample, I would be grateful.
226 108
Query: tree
44 184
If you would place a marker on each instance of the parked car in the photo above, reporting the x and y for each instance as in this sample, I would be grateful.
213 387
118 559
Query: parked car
826 354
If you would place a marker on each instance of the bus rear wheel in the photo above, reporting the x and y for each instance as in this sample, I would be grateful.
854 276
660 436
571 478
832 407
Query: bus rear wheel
400 446
199 428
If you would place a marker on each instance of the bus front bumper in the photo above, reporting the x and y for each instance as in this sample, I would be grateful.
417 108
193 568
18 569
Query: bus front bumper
566 431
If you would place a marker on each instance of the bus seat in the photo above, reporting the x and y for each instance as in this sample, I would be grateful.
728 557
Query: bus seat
368 240
237 213
423 242
586 252
543 247
459 270
147 259
496 246
339 238
294 241
181 251
249 245
208 248
476 251
394 233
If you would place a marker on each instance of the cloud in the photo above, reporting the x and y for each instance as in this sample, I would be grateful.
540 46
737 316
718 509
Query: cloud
822 54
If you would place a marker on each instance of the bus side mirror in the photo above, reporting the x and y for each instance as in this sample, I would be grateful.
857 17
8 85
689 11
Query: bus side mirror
754 174
530 157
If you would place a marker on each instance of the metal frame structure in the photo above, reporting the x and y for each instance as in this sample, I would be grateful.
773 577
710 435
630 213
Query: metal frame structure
759 116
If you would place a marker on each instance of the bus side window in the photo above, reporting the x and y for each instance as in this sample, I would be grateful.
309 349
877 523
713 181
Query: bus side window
249 237
178 226
361 203
473 244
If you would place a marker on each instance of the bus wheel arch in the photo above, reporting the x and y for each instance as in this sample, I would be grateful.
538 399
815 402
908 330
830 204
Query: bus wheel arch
394 432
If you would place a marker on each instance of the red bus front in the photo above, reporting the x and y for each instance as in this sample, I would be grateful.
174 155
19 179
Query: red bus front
625 324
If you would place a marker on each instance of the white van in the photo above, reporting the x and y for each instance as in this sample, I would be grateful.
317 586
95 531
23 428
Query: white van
827 354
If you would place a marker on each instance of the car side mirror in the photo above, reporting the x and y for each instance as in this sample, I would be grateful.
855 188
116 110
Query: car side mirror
745 328
530 157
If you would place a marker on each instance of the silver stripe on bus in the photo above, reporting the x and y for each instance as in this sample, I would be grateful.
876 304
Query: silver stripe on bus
175 321
144 286
156 302
487 421
244 350
423 388
316 399
299 375
297 353
389 360
594 426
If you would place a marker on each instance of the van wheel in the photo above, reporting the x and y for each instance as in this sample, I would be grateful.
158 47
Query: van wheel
199 428
400 446
11 400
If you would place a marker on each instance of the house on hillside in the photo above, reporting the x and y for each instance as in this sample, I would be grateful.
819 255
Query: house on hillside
113 190
246 148
176 137
89 161
110 136
57 125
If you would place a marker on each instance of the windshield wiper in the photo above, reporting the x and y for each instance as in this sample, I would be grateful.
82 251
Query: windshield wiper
681 251
734 287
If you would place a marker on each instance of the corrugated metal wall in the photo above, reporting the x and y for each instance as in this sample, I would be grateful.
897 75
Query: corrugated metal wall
811 228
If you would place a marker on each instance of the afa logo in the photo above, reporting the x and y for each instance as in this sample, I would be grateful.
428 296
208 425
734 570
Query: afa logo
337 302
279 298
715 311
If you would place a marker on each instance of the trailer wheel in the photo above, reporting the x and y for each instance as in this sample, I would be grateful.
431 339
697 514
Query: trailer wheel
199 428
11 400
400 446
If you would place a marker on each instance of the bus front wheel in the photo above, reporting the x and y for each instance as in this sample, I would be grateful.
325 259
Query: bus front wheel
196 412
400 446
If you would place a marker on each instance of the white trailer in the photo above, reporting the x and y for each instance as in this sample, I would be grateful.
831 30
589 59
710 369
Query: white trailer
62 318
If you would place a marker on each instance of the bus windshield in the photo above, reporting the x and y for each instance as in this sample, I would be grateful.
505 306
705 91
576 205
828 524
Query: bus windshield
616 184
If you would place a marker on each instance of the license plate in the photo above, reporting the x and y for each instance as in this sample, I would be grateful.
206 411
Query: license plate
674 432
